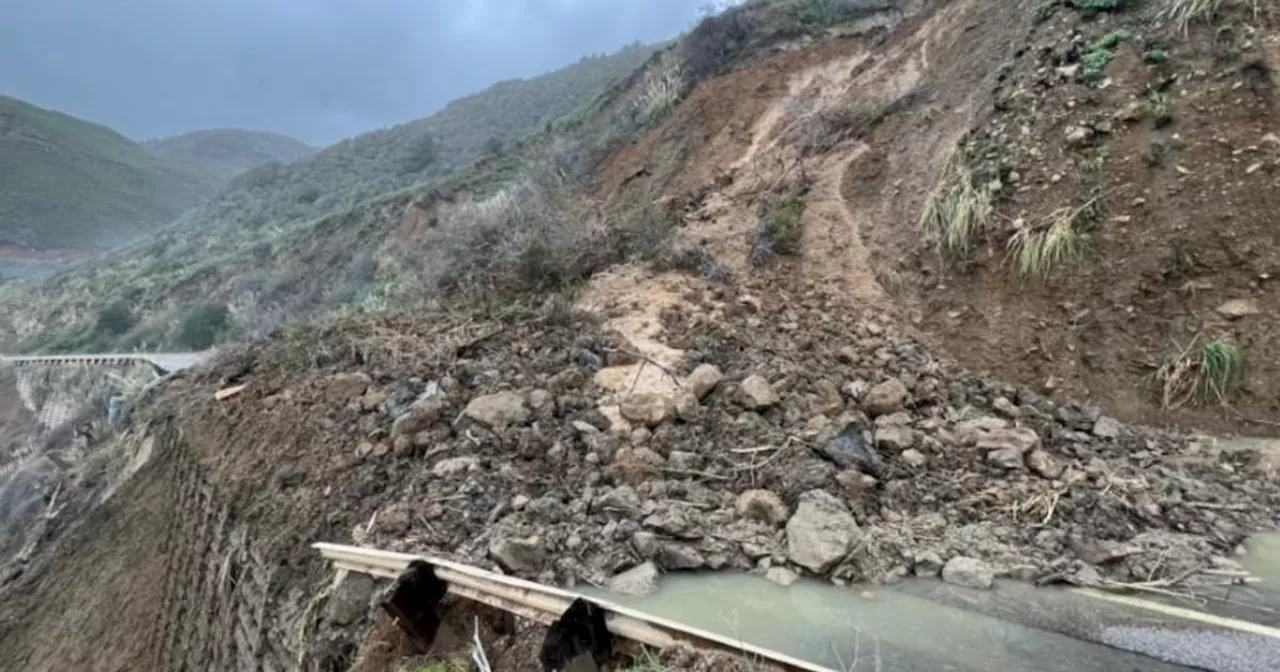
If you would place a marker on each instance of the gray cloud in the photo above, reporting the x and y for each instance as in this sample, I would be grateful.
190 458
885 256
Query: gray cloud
316 69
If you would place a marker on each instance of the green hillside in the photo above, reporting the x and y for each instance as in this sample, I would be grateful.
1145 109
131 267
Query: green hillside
223 153
69 183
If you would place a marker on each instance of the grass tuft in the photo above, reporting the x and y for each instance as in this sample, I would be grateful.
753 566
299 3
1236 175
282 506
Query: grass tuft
1093 63
1102 5
780 229
1205 373
1161 110
957 210
1037 251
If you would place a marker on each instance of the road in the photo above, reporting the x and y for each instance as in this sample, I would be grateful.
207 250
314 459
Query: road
164 362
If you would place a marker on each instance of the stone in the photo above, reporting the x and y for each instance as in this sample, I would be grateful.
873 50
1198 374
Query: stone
1006 408
969 431
849 450
821 532
622 499
402 446
684 460
648 408
520 555
686 406
542 403
899 419
1019 440
498 411
419 417
1077 135
350 599
827 400
1043 464
968 572
885 398
759 393
1132 112
645 543
703 380
914 458
781 576
855 483
927 565
762 506
895 438
1006 458
679 556
455 465
342 388
638 581
1106 428
1238 308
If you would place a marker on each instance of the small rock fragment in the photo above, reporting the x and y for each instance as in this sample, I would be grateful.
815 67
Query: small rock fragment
968 572
759 393
1006 408
1106 428
1238 308
350 599
638 581
927 565
687 406
849 449
914 458
521 555
498 411
885 398
455 465
648 408
781 576
679 556
703 380
762 506
342 388
1077 135
419 417
1043 463
895 438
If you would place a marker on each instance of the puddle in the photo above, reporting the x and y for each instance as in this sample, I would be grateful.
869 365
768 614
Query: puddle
1263 560
901 628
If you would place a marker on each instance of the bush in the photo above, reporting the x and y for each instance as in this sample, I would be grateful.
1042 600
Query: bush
203 326
779 230
115 319
420 153
1093 63
1103 5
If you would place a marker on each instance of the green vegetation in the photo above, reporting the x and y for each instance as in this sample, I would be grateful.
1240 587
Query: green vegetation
779 230
1096 159
1184 12
957 210
1155 56
203 326
115 319
69 183
1103 5
224 153
1161 112
1204 372
1036 252
1093 63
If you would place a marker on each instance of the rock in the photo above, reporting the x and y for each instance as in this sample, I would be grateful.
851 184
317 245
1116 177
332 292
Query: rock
759 393
498 411
849 450
1132 112
419 417
285 477
1006 458
542 403
520 555
645 543
968 572
1077 135
821 532
895 438
638 581
855 483
1106 428
402 446
350 599
684 460
679 556
827 400
781 576
1043 463
687 406
914 458
885 398
1017 440
899 419
634 466
703 380
969 431
648 408
762 506
1238 308
342 388
927 565
1068 71
617 423
455 465
1006 408
622 499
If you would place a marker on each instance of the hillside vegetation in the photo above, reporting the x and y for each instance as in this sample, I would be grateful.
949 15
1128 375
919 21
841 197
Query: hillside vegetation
69 183
223 153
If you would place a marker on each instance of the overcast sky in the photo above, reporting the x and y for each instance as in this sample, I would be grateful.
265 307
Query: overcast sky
319 70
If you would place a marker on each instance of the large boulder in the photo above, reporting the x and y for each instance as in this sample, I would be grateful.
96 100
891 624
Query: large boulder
498 411
821 532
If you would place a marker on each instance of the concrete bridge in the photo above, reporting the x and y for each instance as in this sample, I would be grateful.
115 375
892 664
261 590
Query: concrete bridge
163 362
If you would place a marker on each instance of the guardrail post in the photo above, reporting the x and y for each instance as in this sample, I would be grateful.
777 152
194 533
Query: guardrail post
414 603
580 640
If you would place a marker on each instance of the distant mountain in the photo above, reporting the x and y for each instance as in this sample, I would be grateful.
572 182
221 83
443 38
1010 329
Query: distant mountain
70 183
223 153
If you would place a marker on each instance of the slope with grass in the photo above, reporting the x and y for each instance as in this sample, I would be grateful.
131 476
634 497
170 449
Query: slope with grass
224 153
69 183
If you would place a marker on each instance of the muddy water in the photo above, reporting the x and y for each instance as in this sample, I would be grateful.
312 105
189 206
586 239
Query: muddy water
903 628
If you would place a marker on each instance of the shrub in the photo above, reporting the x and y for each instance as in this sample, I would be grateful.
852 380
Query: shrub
419 153
1103 5
115 319
779 229
1037 251
1155 56
1093 63
957 210
1161 112
203 326
309 195
1204 372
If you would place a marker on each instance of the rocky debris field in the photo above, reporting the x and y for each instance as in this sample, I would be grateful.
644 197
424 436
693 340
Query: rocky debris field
806 439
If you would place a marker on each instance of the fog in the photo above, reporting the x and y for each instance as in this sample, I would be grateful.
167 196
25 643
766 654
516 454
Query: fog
319 70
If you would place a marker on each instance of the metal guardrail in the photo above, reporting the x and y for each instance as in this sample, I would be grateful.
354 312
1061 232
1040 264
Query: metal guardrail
545 604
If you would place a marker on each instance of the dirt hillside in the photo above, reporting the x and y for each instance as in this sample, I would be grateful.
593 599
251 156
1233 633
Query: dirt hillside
792 395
